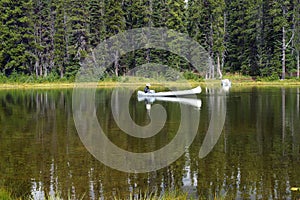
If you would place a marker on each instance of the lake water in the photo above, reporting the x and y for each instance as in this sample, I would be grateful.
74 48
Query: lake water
256 156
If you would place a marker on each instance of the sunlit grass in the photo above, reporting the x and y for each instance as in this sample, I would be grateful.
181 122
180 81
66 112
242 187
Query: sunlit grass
5 195
126 81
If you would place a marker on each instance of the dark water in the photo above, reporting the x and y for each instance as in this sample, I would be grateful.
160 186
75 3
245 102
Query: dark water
257 155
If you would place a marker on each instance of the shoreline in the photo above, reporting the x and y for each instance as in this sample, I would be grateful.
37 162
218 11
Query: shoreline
110 84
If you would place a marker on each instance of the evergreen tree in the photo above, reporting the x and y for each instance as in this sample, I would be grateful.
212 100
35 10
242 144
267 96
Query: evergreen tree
137 15
176 20
217 32
77 34
282 12
60 42
170 14
175 16
115 23
96 22
194 14
206 25
16 39
267 42
253 20
43 19
254 37
159 13
236 38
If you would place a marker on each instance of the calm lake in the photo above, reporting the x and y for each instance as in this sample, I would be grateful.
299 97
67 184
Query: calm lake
256 156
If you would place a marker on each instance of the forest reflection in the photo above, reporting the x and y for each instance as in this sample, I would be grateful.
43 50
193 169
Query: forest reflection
256 156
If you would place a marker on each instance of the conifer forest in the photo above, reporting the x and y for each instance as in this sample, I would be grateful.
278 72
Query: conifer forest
51 37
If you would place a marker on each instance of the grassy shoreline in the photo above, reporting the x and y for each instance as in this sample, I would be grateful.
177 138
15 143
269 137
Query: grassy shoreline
237 81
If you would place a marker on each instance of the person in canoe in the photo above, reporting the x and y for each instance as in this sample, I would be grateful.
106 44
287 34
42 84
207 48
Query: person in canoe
147 88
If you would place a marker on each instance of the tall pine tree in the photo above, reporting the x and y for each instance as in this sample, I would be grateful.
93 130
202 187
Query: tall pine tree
96 22
16 36
115 23
77 34
137 15
60 40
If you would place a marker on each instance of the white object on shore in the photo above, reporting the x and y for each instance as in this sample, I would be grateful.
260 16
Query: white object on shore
226 82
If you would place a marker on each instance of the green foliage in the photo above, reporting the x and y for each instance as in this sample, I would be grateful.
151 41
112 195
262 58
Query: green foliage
96 22
78 15
60 39
206 25
176 20
115 78
191 76
24 78
273 77
42 38
15 36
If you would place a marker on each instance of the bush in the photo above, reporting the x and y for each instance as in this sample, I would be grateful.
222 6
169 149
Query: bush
3 78
191 76
15 77
273 77
115 78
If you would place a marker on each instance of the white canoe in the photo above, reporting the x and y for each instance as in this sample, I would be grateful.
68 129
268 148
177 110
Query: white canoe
196 90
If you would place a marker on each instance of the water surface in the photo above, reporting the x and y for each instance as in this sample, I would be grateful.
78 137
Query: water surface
257 155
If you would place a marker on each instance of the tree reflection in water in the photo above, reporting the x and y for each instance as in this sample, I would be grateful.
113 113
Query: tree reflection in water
257 155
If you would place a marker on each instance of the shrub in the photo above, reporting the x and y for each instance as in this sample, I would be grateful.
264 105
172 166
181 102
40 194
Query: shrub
191 76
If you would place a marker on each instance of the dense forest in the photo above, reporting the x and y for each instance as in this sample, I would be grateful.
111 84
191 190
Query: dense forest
51 37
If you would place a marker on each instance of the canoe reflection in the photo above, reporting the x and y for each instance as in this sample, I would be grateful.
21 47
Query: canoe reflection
187 101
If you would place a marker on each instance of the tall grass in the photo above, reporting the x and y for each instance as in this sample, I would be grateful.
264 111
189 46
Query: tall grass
171 195
5 195
23 78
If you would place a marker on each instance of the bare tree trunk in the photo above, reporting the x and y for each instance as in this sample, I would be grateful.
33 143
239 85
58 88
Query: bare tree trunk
223 52
298 65
213 69
35 54
285 45
116 63
219 66
148 55
283 53
61 72
52 33
36 66
67 56
46 69
298 101
210 70
41 70
211 52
